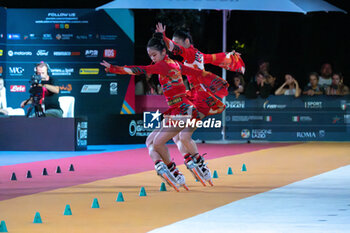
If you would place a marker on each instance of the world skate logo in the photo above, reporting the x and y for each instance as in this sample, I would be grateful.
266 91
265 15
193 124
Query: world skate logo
151 120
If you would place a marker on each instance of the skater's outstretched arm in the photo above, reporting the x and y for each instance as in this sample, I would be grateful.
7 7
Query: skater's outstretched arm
231 61
157 68
173 47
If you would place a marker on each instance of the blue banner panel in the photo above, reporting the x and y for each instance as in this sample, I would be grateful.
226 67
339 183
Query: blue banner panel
284 118
73 42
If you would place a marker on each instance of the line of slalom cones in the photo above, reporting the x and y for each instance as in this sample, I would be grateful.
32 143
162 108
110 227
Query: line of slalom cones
44 173
229 171
95 204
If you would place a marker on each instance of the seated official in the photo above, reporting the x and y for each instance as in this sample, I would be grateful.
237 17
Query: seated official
52 106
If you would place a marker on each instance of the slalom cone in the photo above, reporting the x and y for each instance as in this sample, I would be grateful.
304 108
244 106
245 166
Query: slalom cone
71 168
229 171
58 169
67 210
215 175
143 192
37 218
3 227
244 168
162 187
45 172
29 174
120 197
13 177
95 204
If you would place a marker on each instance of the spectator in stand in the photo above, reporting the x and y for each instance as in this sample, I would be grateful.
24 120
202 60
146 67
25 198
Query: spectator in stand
238 85
292 89
272 81
337 87
325 79
264 67
147 86
313 88
259 86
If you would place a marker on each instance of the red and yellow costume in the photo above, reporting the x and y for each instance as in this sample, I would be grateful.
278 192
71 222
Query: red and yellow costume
171 81
194 58
205 88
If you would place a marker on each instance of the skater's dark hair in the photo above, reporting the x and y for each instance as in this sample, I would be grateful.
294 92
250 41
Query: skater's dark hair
183 34
157 42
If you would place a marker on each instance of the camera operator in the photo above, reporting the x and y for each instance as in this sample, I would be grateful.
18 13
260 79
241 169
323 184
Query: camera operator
52 107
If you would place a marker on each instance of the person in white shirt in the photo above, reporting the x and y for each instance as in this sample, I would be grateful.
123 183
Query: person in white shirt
3 103
325 79
289 87
4 110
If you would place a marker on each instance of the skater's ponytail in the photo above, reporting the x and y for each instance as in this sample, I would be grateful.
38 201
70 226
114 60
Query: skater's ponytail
183 34
157 42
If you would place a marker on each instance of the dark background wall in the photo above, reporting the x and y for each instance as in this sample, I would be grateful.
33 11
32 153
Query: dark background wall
292 42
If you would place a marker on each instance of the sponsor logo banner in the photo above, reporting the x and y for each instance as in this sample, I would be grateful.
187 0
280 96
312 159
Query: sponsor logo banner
261 133
16 70
13 36
61 71
256 133
347 119
12 53
235 104
113 88
65 53
266 105
47 37
91 53
110 53
306 134
245 118
136 128
64 89
42 52
89 71
313 104
245 133
344 104
301 118
108 37
82 133
335 120
17 88
91 88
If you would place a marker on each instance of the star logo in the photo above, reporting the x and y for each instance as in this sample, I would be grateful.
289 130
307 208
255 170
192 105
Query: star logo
151 120
155 115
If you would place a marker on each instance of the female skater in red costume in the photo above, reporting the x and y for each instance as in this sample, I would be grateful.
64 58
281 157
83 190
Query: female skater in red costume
175 92
202 94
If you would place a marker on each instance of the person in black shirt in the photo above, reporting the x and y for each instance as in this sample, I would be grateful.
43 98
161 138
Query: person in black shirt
52 106
259 86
